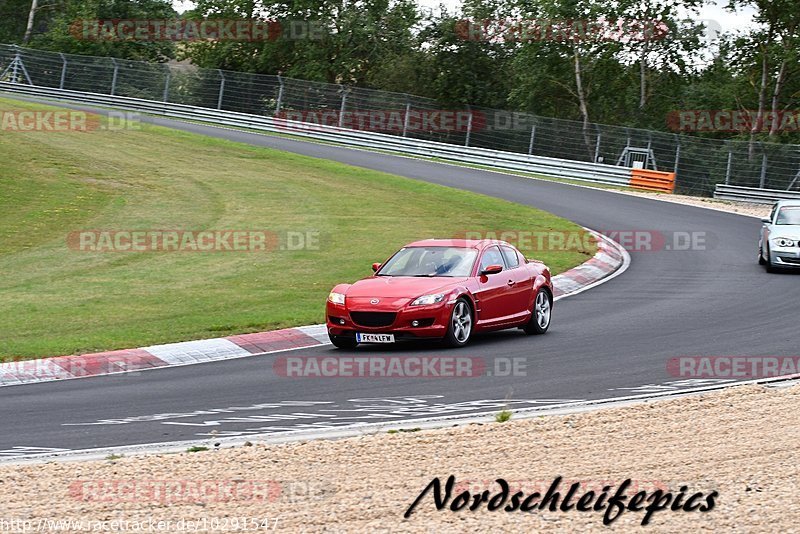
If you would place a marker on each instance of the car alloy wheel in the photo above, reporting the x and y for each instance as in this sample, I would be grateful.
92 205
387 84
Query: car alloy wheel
460 328
542 311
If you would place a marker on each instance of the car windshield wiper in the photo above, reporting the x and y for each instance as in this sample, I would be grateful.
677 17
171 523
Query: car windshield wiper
424 275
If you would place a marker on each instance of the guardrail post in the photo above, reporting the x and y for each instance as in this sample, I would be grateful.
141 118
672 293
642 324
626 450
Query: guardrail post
343 106
15 71
730 165
63 70
280 96
221 88
533 136
469 129
763 181
114 77
405 119
166 85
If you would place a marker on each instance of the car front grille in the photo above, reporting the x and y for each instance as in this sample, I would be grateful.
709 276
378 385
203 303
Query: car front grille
785 259
373 319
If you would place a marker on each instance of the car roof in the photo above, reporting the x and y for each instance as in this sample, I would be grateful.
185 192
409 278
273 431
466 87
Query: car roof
459 243
789 203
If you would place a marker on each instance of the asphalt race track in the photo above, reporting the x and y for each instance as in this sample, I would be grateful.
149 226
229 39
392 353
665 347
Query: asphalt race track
614 340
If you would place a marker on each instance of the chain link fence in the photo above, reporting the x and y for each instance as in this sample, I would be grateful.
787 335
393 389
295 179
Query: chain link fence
699 163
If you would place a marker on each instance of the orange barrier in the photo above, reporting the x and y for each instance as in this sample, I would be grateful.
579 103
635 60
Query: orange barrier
653 180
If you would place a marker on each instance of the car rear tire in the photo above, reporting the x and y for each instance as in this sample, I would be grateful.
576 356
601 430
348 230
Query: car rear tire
542 312
459 328
343 342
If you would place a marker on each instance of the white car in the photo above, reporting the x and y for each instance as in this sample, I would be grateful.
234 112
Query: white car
779 244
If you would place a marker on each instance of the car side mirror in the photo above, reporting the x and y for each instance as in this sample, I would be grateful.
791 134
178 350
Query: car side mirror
492 269
375 267
766 220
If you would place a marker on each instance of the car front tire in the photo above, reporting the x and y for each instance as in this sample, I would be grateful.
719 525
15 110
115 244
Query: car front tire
768 263
542 313
460 326
343 342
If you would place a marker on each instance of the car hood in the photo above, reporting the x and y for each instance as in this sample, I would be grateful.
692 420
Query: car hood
401 286
789 231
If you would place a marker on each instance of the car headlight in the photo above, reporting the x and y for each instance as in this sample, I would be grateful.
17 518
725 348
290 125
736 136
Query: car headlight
425 300
336 298
783 242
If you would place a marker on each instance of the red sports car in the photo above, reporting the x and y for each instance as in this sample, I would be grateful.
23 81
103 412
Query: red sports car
446 289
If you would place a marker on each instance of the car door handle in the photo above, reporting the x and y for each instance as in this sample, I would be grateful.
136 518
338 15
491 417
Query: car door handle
511 282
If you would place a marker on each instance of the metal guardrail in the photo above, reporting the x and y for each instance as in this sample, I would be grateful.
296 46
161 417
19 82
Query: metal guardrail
752 194
560 168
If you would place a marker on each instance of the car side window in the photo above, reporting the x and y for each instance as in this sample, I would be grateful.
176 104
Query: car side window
512 260
772 213
491 256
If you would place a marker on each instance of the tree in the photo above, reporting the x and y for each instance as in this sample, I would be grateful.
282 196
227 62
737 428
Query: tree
59 31
29 27
463 68
334 41
655 36
772 46
560 51
17 19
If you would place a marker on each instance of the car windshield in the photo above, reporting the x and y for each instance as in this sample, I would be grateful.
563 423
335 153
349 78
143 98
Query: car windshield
430 261
788 216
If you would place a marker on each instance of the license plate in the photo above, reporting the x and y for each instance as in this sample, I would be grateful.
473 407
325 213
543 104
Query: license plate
374 338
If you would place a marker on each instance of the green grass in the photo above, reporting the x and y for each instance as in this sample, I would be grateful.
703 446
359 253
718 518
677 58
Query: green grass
55 300
503 416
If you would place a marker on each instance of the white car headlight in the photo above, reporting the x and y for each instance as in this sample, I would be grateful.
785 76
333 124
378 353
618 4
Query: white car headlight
784 242
336 298
425 300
